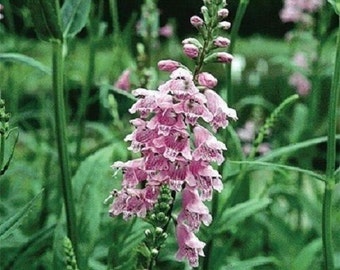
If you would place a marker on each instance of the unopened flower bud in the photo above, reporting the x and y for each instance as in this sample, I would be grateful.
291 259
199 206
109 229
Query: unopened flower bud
159 230
191 50
147 232
221 42
154 252
196 21
223 13
224 57
206 79
168 65
192 41
224 25
123 81
221 57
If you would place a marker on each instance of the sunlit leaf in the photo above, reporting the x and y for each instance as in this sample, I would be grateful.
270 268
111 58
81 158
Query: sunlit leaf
74 14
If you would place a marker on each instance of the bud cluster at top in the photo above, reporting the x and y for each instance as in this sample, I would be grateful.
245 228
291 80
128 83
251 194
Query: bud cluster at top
209 24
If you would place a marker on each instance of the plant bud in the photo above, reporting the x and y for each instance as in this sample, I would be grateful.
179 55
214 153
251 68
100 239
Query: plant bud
206 79
224 25
196 21
168 65
191 50
221 42
223 13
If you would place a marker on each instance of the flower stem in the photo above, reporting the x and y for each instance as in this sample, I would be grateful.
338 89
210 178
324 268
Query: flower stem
60 122
241 10
330 169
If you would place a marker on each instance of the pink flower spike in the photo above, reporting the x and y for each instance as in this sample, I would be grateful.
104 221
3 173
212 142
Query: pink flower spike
221 42
224 57
123 81
206 79
190 247
191 50
168 65
196 21
208 148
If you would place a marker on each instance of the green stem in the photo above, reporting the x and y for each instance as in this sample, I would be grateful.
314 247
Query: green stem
241 10
331 158
2 150
84 99
60 122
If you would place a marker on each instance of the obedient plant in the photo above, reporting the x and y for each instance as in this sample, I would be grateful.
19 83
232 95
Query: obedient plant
174 136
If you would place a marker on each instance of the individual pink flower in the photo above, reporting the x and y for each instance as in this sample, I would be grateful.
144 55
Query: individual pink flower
123 81
191 50
168 65
208 148
206 79
130 202
196 21
193 108
300 60
194 211
166 31
132 172
181 84
203 177
219 109
165 121
189 245
175 145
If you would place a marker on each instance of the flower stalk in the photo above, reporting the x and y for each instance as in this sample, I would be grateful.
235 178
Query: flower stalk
330 169
60 122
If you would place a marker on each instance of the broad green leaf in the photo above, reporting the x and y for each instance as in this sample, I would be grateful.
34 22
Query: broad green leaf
236 214
33 248
74 14
307 255
20 58
15 221
89 184
250 264
45 16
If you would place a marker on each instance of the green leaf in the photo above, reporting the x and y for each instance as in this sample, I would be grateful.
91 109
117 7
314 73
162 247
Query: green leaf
336 5
292 148
307 255
89 190
249 264
15 221
11 151
33 248
45 16
20 58
254 165
236 214
74 14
